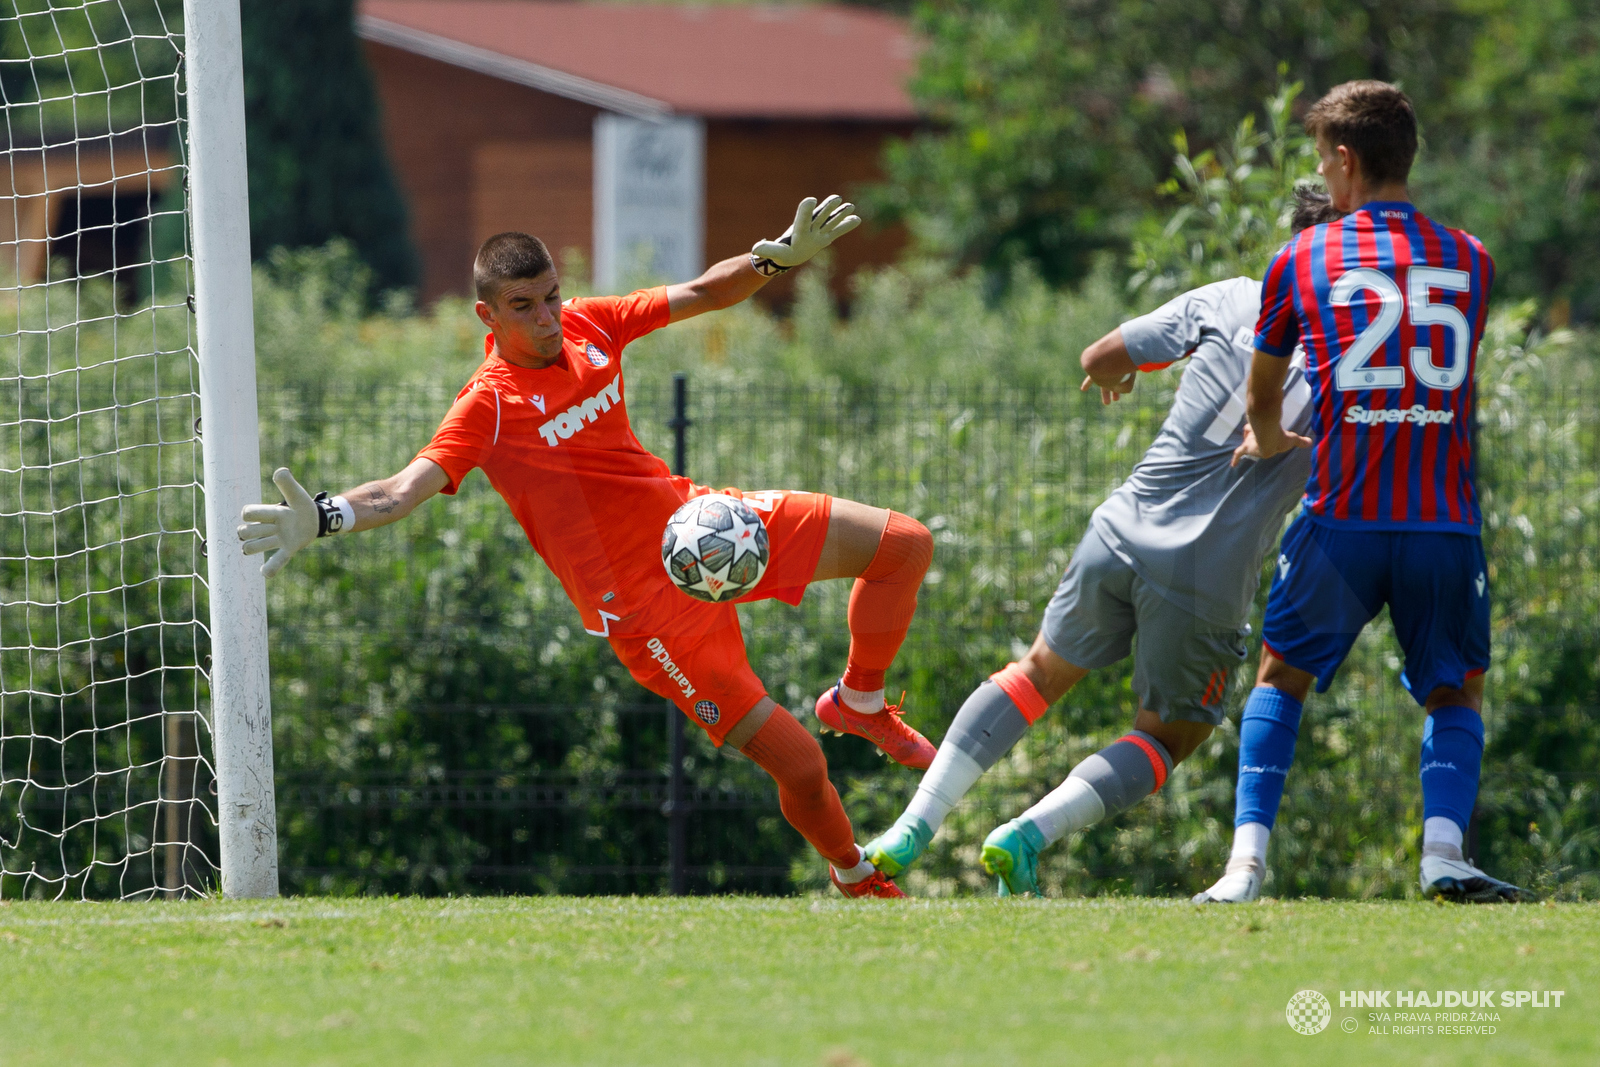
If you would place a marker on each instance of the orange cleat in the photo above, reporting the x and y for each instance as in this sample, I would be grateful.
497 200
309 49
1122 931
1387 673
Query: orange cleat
877 884
885 729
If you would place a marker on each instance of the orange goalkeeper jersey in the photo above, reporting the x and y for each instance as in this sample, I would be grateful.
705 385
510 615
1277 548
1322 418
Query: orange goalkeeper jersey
556 444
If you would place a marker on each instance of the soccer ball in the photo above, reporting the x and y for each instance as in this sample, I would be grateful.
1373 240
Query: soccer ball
715 548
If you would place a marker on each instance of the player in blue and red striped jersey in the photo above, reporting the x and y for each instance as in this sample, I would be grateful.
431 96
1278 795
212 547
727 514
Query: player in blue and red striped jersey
1390 307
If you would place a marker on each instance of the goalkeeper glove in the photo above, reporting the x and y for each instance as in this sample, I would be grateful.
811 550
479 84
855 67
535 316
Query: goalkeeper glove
292 525
815 227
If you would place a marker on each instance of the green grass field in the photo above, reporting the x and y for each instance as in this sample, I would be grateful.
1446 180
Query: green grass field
806 981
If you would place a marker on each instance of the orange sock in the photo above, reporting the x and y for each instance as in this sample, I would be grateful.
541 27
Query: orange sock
884 599
784 749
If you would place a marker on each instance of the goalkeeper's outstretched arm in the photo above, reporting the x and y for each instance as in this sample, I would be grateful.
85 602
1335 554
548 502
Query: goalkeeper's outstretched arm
815 227
284 529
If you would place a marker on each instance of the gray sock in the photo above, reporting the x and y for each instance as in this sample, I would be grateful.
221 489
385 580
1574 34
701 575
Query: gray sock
987 725
1123 773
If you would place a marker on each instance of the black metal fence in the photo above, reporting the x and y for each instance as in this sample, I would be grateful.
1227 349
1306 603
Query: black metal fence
444 725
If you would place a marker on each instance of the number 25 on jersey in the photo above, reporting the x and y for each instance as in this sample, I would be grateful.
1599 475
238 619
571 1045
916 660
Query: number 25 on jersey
1354 371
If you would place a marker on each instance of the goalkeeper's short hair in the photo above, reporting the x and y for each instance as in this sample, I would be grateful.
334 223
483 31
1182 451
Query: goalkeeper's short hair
507 257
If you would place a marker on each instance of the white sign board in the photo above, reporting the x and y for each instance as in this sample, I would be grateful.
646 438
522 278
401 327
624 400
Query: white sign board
649 199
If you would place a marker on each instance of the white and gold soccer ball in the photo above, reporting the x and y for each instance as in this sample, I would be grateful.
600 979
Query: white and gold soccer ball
715 548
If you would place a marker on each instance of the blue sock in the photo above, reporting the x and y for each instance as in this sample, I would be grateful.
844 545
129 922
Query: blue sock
1452 756
1267 732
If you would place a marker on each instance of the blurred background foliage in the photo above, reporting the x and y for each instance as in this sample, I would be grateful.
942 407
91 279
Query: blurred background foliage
1085 159
444 726
1235 203
436 697
1053 121
318 166
1050 124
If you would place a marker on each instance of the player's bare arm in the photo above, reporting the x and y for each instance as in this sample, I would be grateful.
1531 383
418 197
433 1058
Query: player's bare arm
815 227
393 498
1107 364
284 529
721 286
1266 436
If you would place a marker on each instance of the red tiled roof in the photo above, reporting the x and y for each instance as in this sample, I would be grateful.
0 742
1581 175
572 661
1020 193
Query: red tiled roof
800 61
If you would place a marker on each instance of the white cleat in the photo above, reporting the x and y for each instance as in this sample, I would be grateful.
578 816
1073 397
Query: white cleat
1240 884
1463 883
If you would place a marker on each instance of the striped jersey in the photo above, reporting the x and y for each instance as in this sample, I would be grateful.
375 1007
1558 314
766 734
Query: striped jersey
1390 307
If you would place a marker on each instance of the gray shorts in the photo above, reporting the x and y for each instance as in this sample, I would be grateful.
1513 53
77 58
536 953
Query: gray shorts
1182 664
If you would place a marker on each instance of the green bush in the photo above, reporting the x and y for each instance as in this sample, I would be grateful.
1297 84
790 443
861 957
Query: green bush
1234 205
965 414
443 725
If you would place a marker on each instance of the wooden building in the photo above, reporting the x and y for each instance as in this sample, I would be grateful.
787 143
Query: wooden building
680 134
84 202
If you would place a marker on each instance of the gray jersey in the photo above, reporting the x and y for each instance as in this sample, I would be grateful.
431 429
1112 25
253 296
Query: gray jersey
1193 527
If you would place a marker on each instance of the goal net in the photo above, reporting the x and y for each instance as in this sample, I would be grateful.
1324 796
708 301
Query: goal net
106 785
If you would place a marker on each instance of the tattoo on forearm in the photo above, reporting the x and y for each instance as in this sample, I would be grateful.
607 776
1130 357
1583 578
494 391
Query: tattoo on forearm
381 501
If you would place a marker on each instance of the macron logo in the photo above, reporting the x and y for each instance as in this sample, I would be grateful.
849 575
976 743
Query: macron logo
577 416
1283 567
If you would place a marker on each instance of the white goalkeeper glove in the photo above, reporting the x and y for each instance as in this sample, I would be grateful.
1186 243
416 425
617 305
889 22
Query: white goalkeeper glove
284 529
815 227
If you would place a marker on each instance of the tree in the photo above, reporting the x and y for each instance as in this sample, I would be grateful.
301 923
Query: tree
1514 162
318 166
1236 209
1035 157
1053 119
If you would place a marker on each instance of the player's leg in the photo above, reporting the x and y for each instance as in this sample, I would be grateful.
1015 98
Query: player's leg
991 720
1451 760
1268 729
1450 765
887 553
1440 611
1326 587
1100 787
779 745
1180 675
1088 623
693 654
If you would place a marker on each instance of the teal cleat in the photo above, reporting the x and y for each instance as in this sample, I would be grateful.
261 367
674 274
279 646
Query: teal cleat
899 846
1011 852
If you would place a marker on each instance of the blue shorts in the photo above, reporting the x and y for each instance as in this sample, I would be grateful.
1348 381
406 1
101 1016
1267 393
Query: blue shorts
1331 581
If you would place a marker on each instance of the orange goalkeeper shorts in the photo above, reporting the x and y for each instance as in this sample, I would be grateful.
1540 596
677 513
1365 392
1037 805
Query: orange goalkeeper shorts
692 652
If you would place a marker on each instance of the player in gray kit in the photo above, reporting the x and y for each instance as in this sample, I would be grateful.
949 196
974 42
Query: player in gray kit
1174 555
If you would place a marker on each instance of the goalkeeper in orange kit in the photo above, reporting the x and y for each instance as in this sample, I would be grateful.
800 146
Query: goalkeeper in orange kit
545 418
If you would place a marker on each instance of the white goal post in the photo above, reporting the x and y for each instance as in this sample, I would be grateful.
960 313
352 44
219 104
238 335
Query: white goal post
135 714
241 699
